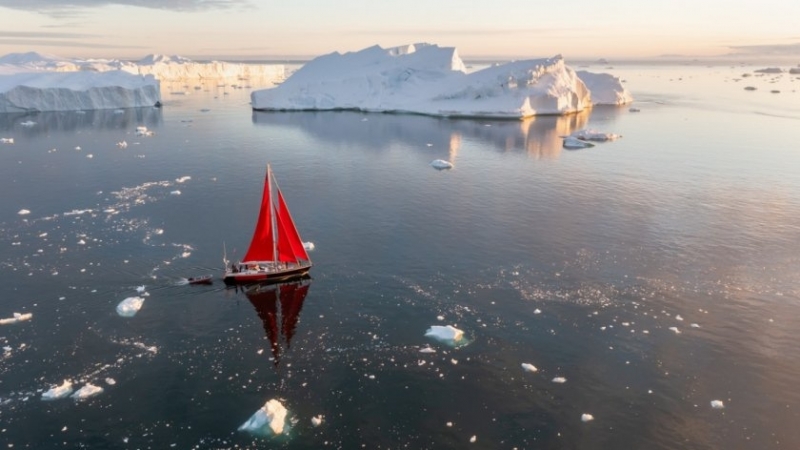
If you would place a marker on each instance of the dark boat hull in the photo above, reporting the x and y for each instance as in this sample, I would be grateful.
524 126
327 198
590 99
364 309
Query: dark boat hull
205 279
264 277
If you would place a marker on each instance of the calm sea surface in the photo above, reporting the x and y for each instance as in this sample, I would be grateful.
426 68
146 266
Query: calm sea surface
655 274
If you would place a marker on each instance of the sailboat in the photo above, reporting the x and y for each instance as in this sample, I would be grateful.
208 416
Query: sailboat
276 252
278 306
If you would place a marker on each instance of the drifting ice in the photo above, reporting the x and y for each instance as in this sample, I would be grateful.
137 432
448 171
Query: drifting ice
447 334
269 419
16 318
441 164
587 417
130 306
717 404
529 367
57 392
87 391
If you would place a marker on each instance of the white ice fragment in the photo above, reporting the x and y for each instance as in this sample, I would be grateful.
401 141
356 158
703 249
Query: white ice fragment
6 140
537 311
717 404
441 164
140 289
28 123
183 179
186 254
586 417
269 419
175 192
110 381
317 420
122 144
529 367
427 350
592 135
473 439
309 246
57 392
675 329
559 380
448 333
678 317
694 325
89 390
23 212
17 317
573 143
440 318
90 156
130 306
143 131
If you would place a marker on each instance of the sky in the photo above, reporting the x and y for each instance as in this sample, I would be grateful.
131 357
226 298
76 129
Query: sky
486 29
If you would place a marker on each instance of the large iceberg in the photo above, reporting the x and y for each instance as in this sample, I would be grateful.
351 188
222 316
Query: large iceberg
70 91
432 80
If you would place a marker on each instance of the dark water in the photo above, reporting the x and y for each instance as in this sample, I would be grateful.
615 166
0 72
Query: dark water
578 262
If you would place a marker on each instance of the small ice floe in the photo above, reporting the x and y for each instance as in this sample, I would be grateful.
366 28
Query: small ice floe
573 143
110 381
717 404
559 380
308 246
89 390
175 192
270 419
6 140
694 325
679 318
586 417
317 420
143 131
447 334
28 123
597 136
130 306
17 317
183 179
77 148
473 439
122 144
537 311
427 350
440 164
23 212
90 156
57 392
140 289
529 367
675 329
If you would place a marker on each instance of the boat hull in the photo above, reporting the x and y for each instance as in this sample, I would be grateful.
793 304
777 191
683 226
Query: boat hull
266 277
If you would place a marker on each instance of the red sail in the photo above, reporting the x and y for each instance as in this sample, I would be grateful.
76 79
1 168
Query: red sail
290 246
261 247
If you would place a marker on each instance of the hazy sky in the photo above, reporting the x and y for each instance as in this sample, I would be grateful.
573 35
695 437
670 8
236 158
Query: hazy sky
260 29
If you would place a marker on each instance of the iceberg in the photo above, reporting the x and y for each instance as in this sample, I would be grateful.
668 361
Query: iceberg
130 306
270 419
89 390
58 392
606 89
73 91
447 334
432 80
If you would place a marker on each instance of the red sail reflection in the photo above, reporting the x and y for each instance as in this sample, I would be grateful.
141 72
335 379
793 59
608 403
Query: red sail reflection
278 306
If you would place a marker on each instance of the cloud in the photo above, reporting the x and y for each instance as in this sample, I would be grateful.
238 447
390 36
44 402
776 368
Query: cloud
43 35
766 50
60 9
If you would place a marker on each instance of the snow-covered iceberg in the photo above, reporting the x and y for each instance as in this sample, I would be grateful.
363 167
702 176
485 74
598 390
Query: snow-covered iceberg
606 89
270 419
57 392
72 91
432 80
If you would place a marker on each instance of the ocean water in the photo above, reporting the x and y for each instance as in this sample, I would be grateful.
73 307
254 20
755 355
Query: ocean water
655 273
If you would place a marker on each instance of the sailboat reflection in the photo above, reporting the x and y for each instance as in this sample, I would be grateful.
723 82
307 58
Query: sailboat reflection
278 306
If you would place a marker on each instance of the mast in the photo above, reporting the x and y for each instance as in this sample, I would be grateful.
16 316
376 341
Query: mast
272 217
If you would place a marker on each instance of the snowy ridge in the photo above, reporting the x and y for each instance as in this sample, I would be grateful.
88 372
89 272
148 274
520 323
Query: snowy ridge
432 80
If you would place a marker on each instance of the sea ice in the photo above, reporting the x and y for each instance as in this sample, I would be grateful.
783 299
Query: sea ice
89 390
308 246
447 334
130 306
269 419
573 143
427 350
16 318
6 140
559 380
57 392
586 417
317 420
441 164
183 179
529 367
593 135
675 329
23 212
717 404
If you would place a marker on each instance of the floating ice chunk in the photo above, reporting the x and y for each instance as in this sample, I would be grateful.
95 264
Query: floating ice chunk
317 420
441 164
16 318
592 135
559 380
140 289
90 156
694 325
675 329
473 439
679 318
717 404
23 212
537 311
427 350
143 131
529 367
573 143
6 140
89 390
586 417
28 123
448 333
130 306
309 246
175 192
122 144
269 419
57 392
183 179
110 381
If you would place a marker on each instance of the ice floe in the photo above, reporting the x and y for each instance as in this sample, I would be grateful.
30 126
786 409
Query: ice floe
130 306
88 390
23 212
447 334
529 367
559 380
17 317
717 404
6 140
441 164
594 135
183 179
270 419
317 420
308 246
573 143
586 417
57 392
